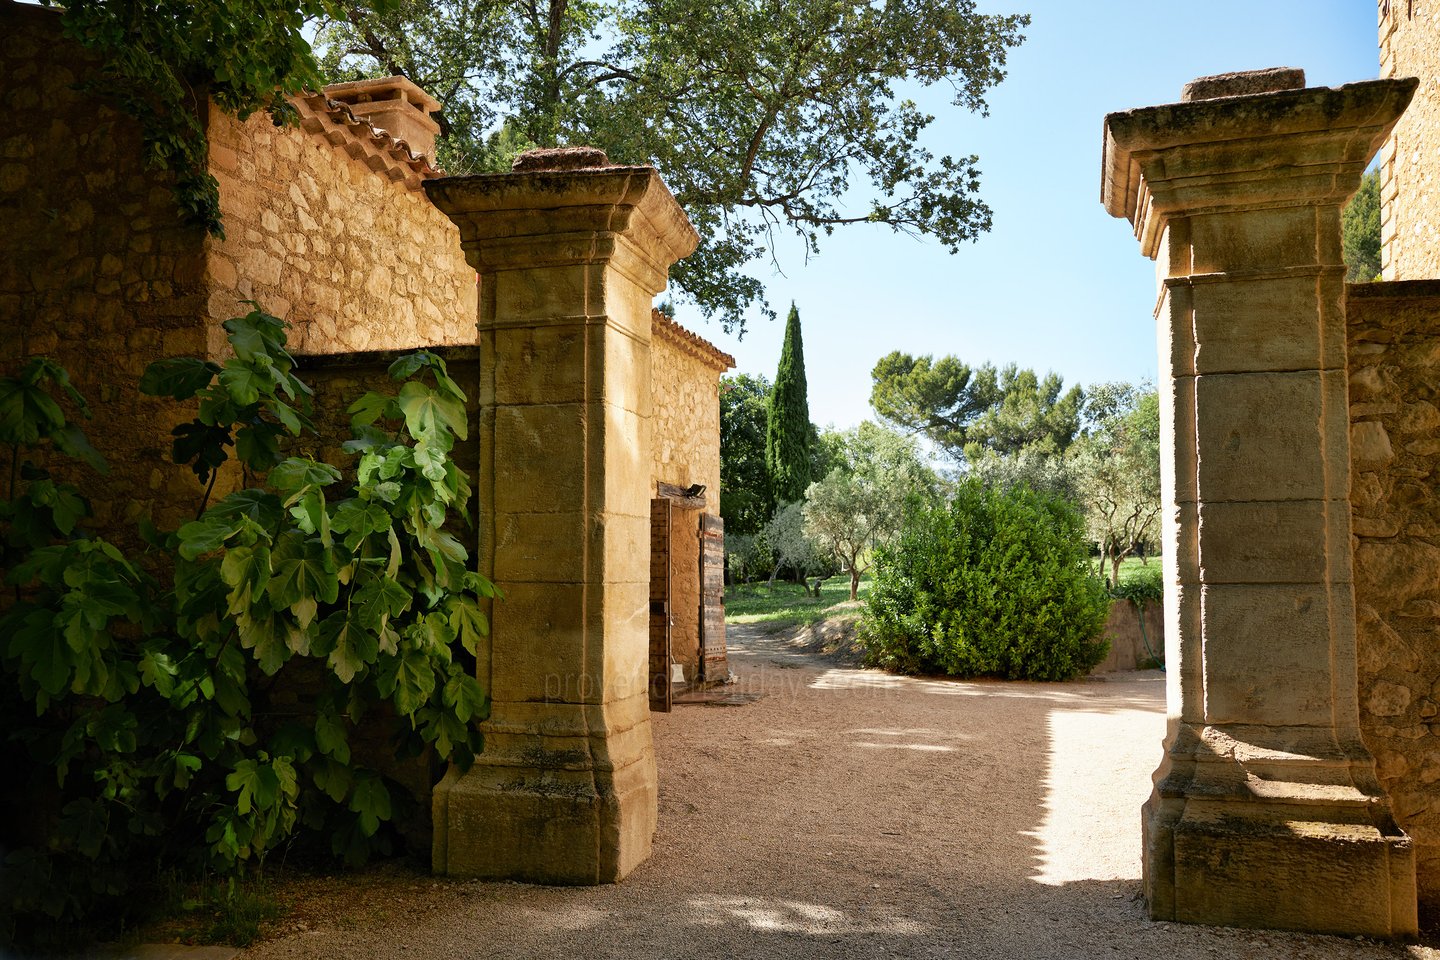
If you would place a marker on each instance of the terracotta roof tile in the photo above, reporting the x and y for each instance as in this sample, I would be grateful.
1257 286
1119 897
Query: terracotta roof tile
337 124
662 327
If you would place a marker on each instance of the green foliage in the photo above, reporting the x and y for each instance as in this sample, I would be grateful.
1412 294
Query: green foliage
747 557
161 58
762 116
1030 413
793 548
746 500
936 398
787 420
1360 231
863 502
994 584
1037 467
141 696
973 412
1140 586
450 49
1116 468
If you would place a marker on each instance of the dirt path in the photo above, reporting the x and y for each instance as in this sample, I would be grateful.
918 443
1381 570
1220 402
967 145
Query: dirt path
849 813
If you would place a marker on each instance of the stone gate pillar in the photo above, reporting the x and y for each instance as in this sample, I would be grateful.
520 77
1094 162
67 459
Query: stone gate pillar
571 253
1266 810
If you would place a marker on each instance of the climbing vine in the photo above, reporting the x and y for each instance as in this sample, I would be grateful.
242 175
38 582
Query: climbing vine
197 705
161 59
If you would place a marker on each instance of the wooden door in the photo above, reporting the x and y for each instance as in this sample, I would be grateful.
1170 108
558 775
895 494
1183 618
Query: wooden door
661 517
713 664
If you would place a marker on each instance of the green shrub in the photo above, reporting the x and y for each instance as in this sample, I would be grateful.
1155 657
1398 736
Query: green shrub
994 584
1141 586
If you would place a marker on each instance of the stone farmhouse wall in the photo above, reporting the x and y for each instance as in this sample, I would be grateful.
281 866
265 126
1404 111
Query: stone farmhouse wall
95 270
685 407
1394 341
685 431
1410 159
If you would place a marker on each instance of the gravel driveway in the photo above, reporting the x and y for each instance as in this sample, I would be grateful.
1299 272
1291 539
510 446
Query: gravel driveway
846 813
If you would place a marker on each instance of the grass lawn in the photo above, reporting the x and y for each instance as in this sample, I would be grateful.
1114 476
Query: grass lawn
1132 565
787 603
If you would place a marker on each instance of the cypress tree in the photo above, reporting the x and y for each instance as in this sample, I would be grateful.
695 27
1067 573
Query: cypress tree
787 420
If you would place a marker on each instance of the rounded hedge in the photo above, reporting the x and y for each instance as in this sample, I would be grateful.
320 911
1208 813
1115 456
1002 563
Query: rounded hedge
996 583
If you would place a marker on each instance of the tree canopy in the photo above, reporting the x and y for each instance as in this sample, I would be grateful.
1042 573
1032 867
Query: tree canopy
862 502
971 412
764 117
1360 231
1116 469
745 500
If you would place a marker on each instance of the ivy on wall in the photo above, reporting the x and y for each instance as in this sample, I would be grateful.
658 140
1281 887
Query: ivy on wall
161 59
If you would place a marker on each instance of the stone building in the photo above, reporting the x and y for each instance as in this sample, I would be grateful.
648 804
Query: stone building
686 534
328 225
1410 159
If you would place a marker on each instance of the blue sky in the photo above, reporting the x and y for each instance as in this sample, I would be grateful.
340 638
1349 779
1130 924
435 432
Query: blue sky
1057 284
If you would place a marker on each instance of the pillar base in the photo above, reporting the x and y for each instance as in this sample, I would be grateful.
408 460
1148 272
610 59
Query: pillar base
1240 841
546 809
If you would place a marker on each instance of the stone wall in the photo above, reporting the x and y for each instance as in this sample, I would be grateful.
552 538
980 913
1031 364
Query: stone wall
685 429
1128 649
96 271
1410 159
335 237
1394 340
685 403
326 226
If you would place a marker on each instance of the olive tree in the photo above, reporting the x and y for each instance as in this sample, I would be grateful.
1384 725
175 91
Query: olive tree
862 503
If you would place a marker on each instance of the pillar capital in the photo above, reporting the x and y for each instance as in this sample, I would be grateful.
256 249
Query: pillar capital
619 215
1284 148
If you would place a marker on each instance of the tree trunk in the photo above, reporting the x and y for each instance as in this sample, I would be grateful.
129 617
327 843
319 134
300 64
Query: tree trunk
854 581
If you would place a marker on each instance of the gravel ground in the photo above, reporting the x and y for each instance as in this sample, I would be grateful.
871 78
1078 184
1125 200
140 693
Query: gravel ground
844 813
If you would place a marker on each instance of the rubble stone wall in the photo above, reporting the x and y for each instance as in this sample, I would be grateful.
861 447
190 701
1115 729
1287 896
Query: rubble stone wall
1132 647
354 260
685 404
1394 361
1410 159
96 270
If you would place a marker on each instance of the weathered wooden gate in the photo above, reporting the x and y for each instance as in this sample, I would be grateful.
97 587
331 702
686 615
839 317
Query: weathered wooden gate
661 518
713 664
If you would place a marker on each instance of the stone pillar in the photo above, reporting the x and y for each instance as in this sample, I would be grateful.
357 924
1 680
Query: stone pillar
571 253
1266 811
